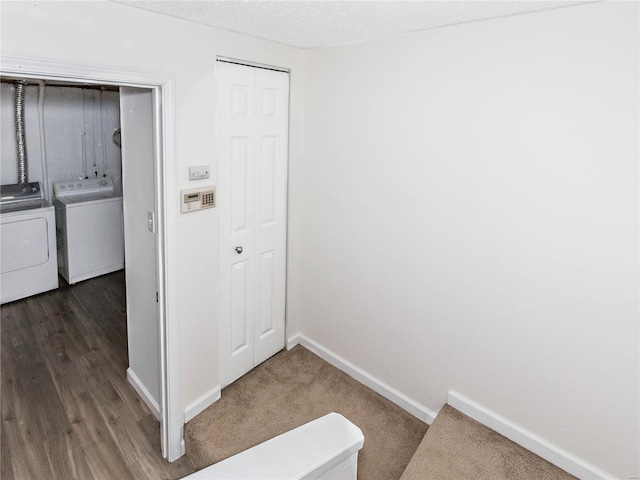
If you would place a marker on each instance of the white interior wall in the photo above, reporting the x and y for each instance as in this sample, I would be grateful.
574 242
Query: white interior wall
491 243
471 219
84 32
70 113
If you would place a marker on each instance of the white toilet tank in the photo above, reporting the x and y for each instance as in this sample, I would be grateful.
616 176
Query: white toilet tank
326 448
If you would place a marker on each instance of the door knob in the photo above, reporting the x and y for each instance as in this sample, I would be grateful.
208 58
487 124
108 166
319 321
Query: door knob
239 250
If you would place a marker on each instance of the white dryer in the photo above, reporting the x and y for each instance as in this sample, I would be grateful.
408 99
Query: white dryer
28 262
89 228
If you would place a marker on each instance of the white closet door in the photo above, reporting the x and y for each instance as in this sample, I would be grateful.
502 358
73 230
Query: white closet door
272 90
252 128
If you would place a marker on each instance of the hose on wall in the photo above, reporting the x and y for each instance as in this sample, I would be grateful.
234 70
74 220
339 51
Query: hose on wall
23 169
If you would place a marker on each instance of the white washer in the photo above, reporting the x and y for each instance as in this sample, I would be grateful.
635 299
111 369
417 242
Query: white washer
28 262
90 230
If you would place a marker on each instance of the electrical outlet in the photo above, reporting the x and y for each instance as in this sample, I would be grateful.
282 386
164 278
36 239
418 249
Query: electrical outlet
199 173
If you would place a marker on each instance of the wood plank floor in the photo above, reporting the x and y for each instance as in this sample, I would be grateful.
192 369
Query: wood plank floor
68 411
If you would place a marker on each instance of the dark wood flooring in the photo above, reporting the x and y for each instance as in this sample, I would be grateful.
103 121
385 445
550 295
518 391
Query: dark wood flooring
68 411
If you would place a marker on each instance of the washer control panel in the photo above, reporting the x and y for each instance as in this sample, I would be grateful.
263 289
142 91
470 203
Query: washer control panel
83 186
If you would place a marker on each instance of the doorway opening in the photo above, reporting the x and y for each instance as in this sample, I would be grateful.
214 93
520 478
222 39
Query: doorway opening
158 89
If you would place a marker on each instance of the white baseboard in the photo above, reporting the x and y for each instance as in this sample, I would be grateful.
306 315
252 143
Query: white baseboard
375 384
144 393
202 402
526 439
293 341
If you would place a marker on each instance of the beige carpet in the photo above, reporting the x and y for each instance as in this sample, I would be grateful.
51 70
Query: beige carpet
293 388
456 447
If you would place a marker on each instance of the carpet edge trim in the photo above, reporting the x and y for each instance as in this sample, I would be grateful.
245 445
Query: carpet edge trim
532 442
403 401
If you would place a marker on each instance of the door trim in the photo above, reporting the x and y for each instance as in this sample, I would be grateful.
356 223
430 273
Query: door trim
248 63
162 84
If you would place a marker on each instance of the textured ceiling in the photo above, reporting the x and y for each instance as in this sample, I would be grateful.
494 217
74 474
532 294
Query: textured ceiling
320 23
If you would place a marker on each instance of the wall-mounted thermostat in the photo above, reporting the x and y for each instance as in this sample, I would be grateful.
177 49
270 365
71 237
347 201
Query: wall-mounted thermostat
197 199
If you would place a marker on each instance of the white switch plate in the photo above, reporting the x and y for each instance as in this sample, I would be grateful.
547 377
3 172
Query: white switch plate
199 173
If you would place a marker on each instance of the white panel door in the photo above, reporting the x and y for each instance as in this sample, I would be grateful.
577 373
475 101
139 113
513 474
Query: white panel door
138 183
252 127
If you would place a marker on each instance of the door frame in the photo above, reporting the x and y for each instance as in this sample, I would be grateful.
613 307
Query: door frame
162 85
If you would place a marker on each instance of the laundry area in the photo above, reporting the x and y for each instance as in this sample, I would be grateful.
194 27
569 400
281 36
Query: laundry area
61 207
78 277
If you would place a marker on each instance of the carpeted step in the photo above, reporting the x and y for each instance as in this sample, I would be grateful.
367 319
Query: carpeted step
458 447
293 388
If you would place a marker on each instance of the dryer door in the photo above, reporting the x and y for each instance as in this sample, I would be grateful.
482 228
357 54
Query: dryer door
24 244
